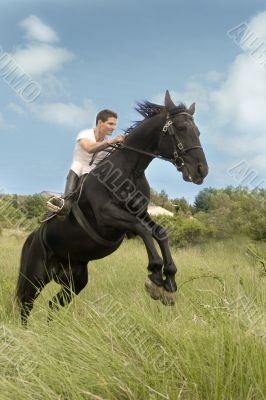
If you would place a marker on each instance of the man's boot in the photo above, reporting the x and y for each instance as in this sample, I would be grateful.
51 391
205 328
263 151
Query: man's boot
62 205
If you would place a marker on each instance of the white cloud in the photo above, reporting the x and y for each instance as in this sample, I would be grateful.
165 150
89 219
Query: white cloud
38 30
259 163
197 90
1 120
237 123
41 59
214 76
52 86
234 107
16 108
241 99
257 25
65 114
4 125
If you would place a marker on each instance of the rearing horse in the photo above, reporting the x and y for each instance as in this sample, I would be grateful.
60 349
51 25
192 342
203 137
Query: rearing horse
113 201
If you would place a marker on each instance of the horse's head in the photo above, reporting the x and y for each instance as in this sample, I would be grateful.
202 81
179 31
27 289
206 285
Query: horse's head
180 141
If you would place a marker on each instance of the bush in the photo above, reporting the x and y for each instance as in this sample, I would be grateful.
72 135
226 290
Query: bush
185 231
10 216
24 213
34 206
233 211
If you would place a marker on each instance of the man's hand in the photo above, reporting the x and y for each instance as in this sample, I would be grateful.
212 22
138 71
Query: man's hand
117 139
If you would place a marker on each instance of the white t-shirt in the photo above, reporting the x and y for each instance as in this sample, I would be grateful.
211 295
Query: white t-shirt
81 160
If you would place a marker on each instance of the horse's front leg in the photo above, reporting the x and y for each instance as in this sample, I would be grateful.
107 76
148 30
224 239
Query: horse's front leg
169 270
157 287
160 235
154 283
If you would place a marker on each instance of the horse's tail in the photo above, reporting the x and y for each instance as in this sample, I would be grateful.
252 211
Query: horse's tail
22 278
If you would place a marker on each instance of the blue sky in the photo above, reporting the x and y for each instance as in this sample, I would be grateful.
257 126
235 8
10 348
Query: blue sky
95 54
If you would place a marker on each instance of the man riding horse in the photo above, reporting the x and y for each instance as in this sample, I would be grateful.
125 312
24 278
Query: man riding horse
88 152
113 200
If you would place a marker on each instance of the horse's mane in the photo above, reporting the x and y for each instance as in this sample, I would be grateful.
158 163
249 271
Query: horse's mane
149 110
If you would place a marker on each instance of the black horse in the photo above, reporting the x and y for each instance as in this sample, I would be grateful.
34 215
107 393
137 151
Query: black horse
113 201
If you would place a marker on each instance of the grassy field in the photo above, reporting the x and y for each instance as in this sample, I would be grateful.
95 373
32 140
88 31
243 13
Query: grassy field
114 342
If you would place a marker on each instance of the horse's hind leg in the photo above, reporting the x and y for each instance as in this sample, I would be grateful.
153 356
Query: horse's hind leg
32 278
32 290
72 280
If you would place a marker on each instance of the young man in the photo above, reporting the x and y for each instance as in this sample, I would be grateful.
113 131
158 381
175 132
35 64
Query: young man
87 154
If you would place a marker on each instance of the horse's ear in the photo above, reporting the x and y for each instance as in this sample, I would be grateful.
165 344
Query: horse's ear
168 102
191 109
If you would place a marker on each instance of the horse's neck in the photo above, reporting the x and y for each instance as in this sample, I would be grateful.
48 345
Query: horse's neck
146 138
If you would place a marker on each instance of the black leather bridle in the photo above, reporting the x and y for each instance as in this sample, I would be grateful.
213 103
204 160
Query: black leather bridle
179 150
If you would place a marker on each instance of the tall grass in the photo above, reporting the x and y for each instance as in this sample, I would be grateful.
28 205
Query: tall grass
114 342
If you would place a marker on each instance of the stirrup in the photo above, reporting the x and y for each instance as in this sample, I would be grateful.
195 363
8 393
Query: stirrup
55 204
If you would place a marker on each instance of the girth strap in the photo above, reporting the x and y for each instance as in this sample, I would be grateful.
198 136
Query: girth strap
83 222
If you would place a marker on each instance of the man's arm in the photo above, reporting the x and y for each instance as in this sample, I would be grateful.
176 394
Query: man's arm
92 147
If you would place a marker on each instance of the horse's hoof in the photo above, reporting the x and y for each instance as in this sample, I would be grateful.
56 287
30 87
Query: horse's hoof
167 298
154 291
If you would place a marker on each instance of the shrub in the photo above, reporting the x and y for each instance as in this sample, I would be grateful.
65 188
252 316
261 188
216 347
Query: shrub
10 216
233 211
185 231
34 206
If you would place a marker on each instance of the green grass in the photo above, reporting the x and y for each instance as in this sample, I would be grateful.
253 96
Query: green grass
114 342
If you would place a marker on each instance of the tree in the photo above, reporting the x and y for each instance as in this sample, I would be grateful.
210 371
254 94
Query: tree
182 206
202 200
161 199
34 206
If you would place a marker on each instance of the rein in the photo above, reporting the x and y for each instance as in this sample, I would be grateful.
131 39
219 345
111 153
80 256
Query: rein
179 149
121 146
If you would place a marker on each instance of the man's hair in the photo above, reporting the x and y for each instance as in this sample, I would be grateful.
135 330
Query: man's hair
104 115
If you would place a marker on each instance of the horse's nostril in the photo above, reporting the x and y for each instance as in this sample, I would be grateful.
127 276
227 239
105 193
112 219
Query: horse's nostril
201 169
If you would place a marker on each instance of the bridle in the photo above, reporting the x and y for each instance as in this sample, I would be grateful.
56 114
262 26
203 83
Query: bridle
179 150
